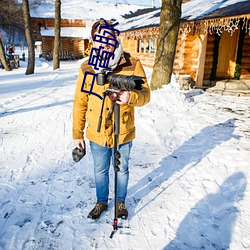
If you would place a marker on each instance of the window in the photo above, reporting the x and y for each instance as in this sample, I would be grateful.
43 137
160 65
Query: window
152 45
146 45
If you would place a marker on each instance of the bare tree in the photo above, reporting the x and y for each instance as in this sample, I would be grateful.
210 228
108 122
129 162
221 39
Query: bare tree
11 16
36 3
56 59
168 34
28 33
11 24
3 57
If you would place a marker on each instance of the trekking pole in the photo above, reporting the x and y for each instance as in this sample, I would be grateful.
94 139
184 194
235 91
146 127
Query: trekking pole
117 156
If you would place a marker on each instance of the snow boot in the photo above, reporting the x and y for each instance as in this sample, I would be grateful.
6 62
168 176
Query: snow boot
97 210
122 211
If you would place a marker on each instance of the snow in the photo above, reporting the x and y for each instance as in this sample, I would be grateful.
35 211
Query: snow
145 20
81 32
93 10
189 169
151 3
86 10
196 9
192 10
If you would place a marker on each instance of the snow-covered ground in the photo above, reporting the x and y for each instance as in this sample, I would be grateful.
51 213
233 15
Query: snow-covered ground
189 170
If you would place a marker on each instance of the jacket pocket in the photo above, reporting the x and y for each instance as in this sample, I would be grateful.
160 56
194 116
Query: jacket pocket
126 120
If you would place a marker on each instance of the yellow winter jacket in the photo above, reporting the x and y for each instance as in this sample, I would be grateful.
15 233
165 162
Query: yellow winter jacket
87 107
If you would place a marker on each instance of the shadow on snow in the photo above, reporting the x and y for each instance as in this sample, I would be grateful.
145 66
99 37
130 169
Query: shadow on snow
210 223
190 153
23 110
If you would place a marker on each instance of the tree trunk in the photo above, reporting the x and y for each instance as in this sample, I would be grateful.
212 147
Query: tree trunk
29 38
56 59
168 34
3 57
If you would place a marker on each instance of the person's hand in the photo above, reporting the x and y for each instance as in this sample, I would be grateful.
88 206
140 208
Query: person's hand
123 97
78 152
79 143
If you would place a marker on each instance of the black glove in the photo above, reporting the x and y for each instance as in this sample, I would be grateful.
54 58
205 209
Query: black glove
78 153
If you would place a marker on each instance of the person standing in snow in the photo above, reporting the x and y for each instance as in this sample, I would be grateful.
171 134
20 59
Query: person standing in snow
11 50
86 109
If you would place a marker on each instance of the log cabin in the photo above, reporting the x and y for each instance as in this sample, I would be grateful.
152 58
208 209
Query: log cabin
74 37
213 41
77 19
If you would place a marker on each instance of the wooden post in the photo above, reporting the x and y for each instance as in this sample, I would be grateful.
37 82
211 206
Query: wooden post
149 45
144 45
140 42
201 60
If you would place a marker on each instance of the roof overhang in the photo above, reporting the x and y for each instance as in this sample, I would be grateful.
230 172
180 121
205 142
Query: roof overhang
73 32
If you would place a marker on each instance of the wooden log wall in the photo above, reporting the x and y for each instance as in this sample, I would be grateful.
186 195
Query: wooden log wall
190 56
185 59
179 60
131 46
47 45
209 57
66 44
73 45
146 59
245 60
38 23
186 55
50 22
79 46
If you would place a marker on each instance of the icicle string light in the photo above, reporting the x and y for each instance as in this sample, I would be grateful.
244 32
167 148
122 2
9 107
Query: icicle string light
246 25
218 25
206 27
150 32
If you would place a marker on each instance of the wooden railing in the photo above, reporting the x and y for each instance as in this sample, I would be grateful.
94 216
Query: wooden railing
64 55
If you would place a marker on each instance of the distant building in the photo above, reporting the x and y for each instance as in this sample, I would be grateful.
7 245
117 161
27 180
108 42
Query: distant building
77 19
74 37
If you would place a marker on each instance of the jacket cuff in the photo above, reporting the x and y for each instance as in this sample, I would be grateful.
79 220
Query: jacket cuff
77 135
132 98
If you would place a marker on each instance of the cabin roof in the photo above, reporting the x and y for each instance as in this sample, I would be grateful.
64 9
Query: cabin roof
79 32
208 9
194 10
148 19
85 10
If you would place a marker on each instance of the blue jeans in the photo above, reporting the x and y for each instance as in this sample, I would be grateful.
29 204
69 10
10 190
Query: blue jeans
102 158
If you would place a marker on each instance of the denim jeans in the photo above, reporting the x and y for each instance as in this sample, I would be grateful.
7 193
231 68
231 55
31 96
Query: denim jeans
102 157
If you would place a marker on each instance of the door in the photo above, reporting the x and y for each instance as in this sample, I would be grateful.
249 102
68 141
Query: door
227 55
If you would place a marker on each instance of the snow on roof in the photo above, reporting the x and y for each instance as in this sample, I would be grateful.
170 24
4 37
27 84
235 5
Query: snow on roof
138 2
80 32
197 9
192 10
145 20
85 10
